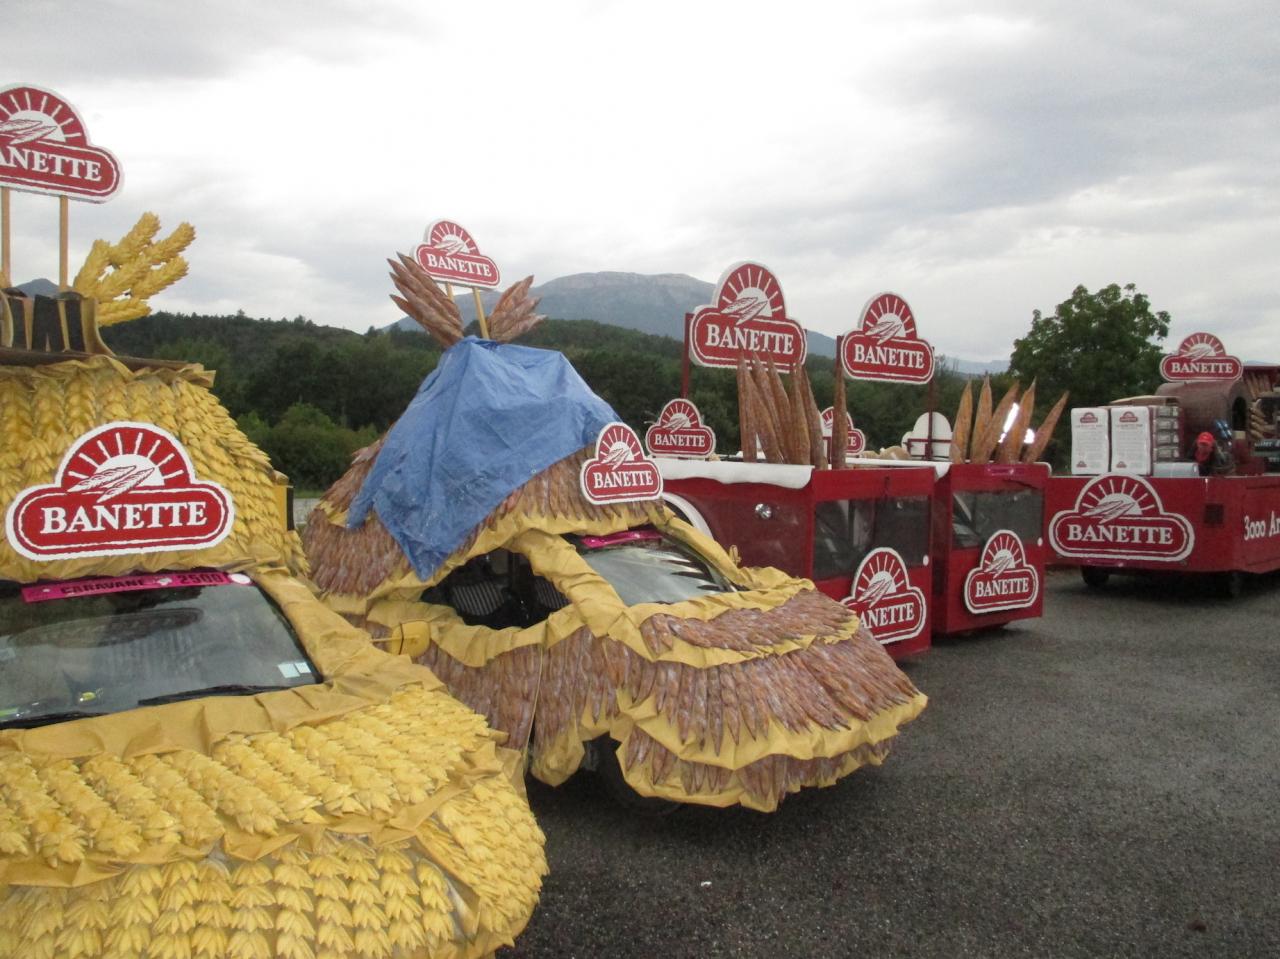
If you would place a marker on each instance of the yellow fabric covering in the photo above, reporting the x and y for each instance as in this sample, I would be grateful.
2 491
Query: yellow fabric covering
371 815
46 408
738 697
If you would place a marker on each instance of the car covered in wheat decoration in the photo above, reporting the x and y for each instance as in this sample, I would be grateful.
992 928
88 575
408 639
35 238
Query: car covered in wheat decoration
508 533
197 758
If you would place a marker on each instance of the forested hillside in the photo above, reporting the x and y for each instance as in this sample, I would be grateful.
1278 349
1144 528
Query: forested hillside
311 395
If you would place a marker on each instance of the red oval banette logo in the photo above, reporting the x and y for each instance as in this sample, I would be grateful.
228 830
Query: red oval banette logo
884 346
45 148
680 432
856 439
620 472
1201 356
748 316
448 253
1118 516
1003 579
122 488
884 598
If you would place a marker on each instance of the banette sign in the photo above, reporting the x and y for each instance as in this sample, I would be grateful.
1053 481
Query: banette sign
748 316
619 472
680 432
885 346
122 488
1120 516
45 148
1201 356
1003 579
856 440
884 598
448 253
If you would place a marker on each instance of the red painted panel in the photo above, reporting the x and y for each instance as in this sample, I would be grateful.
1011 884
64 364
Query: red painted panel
1234 523
775 526
1003 499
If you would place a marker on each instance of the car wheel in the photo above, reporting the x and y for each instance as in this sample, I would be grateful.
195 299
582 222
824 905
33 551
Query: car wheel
609 769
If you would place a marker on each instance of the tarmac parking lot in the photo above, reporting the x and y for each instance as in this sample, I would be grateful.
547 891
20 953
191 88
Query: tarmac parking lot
1104 781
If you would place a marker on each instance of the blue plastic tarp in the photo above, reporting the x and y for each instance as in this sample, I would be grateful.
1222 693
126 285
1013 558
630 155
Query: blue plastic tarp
489 418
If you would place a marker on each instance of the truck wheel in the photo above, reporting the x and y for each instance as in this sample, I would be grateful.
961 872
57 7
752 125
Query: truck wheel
1094 576
609 769
1231 584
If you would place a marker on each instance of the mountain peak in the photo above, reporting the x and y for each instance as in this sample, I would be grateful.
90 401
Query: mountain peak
653 303
40 287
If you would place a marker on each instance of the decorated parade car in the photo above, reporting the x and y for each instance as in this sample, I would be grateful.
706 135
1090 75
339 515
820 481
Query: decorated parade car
509 533
197 758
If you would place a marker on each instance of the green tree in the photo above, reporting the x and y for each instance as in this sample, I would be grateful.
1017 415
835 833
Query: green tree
309 447
1100 346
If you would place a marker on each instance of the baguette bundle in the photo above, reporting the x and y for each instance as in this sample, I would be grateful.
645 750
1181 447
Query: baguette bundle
977 437
782 418
839 424
434 310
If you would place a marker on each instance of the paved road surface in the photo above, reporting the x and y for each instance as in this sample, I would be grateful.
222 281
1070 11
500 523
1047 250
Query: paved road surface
1102 782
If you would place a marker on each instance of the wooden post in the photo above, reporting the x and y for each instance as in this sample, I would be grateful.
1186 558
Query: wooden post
64 221
684 359
484 327
5 265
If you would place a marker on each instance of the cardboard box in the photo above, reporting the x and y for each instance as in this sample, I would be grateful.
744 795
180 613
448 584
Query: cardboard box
1131 439
1090 440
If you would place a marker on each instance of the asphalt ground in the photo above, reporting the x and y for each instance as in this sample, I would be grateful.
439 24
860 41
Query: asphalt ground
1104 781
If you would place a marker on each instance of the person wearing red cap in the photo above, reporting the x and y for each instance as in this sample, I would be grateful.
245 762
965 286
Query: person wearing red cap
1204 453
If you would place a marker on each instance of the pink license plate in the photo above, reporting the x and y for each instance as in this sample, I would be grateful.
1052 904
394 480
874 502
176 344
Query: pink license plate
98 585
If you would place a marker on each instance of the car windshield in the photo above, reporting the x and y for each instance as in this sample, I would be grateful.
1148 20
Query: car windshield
646 567
103 645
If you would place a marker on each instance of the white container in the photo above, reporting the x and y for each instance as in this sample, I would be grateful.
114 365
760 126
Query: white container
1090 441
1131 439
1180 469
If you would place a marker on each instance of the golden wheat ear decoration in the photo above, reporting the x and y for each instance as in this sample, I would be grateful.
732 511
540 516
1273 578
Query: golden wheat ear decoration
425 302
123 276
513 315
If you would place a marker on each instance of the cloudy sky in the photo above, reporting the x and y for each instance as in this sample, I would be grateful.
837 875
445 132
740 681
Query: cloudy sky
981 158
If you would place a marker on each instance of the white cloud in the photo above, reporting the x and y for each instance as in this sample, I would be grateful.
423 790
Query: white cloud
981 161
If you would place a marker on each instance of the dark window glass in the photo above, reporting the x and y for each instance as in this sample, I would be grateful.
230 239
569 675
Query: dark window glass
112 651
975 516
657 570
902 523
846 530
497 590
842 535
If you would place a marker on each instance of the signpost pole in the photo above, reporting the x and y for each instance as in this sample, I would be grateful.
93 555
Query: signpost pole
933 405
484 326
64 220
4 235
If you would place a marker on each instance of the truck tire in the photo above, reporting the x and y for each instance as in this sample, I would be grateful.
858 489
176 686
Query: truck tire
1231 584
1094 577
